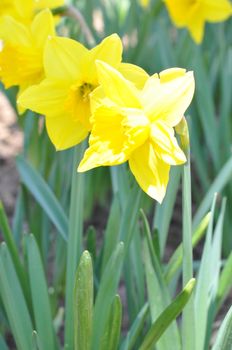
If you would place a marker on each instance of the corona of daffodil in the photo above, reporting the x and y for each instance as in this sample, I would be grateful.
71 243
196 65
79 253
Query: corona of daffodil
137 126
21 55
71 76
24 10
194 13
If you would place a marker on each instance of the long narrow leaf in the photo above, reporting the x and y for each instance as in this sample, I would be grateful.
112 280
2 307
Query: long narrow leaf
167 317
224 338
112 333
40 298
14 302
106 293
43 195
83 303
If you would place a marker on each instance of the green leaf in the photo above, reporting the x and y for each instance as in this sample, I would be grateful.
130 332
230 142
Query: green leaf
136 329
14 302
112 231
43 195
176 259
163 212
40 298
8 236
225 282
223 177
3 345
167 317
188 317
106 292
83 303
224 337
75 241
203 287
111 336
158 293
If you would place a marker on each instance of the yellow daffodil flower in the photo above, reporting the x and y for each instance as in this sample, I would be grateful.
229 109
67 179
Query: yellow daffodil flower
138 125
194 13
25 10
21 56
144 3
71 75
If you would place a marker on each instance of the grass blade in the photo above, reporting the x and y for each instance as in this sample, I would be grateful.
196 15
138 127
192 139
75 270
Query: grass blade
225 282
83 303
43 195
8 237
75 244
223 177
112 334
136 329
107 290
224 338
176 259
188 319
167 316
40 298
14 302
158 293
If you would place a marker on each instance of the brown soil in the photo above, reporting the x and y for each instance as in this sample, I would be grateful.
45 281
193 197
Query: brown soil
11 140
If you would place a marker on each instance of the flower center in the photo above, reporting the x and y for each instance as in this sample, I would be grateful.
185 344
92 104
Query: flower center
85 89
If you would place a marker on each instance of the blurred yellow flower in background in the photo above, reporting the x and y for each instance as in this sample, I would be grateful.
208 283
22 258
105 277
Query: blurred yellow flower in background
194 13
71 76
144 3
25 10
21 54
138 125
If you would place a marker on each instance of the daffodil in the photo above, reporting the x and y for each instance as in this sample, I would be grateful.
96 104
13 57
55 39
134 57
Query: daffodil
144 3
137 126
25 10
194 13
21 55
71 76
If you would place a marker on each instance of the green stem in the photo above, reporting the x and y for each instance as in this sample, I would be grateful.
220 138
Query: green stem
188 324
75 242
73 12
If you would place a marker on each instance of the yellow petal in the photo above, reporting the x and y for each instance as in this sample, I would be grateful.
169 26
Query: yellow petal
14 32
24 9
166 144
134 73
216 10
151 173
62 59
168 101
42 27
65 132
196 27
136 128
109 51
106 143
179 10
169 74
116 87
47 98
41 4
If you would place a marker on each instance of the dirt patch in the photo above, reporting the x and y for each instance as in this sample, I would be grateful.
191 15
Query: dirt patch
11 141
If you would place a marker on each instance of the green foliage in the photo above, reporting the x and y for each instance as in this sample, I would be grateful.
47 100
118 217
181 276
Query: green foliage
122 292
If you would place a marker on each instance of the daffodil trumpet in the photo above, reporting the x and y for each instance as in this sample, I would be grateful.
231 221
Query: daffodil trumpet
137 125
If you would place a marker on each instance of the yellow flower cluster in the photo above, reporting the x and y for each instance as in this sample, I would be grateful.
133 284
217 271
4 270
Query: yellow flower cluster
130 115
